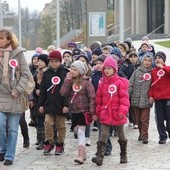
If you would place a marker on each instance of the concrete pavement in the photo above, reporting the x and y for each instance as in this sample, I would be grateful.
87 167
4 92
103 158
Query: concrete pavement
151 156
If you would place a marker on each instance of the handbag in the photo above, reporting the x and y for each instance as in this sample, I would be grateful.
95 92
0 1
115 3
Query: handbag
88 118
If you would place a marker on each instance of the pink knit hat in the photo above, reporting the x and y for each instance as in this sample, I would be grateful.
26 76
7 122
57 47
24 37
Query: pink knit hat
110 62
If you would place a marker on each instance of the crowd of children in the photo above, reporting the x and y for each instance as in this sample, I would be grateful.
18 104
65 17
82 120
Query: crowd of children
104 87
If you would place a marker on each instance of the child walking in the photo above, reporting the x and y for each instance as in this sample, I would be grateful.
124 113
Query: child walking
140 82
52 104
112 104
160 94
81 95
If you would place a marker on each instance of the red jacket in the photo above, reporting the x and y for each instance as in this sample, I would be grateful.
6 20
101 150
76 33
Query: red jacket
160 88
112 109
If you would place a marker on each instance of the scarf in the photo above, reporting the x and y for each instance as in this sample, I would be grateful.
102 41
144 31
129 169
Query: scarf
4 56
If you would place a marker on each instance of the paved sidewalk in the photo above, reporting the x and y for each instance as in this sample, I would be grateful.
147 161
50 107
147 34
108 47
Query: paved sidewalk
140 157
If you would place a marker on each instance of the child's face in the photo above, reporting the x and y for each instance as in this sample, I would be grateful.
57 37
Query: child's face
133 59
105 52
54 63
108 71
67 58
94 57
144 48
4 42
82 59
41 64
147 62
35 61
99 65
159 60
74 72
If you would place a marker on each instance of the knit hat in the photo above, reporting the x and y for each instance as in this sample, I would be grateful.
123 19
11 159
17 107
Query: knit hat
55 54
35 55
161 54
145 38
84 55
97 51
111 62
67 52
39 50
144 43
128 40
123 45
132 53
89 55
116 51
95 44
101 58
44 57
80 66
148 55
71 44
76 51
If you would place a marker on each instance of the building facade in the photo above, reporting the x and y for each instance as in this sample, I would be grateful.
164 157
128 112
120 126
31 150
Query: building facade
144 16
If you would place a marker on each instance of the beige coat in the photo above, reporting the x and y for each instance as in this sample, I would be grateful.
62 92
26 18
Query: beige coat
7 103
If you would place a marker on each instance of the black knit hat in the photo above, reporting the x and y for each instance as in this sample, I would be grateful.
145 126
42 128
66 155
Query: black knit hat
97 51
161 54
101 58
44 57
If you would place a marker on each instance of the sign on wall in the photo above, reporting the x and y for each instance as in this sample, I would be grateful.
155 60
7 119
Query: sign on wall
97 24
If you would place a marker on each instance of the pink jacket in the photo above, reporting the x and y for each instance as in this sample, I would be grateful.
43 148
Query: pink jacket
112 99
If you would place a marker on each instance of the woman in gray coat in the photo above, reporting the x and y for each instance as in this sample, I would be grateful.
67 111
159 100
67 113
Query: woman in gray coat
11 59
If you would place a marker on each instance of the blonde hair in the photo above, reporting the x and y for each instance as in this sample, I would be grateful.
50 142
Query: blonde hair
10 36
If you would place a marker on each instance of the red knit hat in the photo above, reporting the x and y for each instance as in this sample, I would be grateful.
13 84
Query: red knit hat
55 54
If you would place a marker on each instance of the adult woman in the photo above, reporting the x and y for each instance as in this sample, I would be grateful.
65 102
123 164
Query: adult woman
11 60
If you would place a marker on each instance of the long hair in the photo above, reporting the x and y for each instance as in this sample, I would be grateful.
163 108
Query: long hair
10 36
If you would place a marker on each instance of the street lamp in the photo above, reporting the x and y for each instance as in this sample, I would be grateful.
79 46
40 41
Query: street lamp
19 23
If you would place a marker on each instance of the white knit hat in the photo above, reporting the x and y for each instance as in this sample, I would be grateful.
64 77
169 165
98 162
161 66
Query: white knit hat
80 66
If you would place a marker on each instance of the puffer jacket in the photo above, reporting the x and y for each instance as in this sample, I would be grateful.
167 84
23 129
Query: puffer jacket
112 108
139 88
7 103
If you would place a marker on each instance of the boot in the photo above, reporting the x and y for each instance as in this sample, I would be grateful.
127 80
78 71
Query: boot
101 147
123 151
26 140
41 138
81 155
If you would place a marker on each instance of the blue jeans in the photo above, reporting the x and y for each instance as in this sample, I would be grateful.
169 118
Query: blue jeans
9 124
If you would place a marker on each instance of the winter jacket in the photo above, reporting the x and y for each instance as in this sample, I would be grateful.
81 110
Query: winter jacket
96 76
7 103
139 88
160 90
50 97
112 108
82 101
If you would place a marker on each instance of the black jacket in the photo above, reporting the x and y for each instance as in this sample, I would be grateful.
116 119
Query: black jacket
51 100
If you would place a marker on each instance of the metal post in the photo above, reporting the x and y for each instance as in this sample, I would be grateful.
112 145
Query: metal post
1 15
58 23
121 20
19 22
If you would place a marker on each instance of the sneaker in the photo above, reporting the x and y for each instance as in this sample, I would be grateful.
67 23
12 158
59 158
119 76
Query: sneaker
59 150
162 141
135 127
107 153
88 143
130 124
94 128
48 148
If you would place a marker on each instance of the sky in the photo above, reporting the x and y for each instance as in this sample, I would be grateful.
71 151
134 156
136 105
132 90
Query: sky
31 4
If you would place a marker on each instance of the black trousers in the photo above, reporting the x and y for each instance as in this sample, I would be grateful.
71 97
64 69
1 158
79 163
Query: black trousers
162 112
